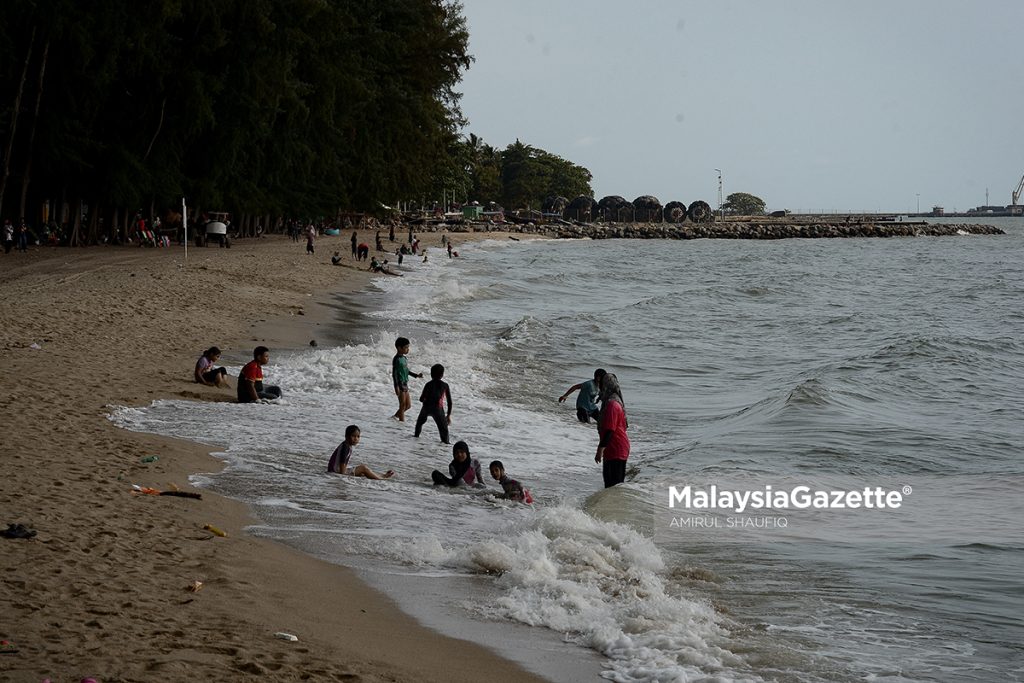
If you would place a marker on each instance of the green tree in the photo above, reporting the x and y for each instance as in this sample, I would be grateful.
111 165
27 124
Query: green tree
743 204
284 106
529 174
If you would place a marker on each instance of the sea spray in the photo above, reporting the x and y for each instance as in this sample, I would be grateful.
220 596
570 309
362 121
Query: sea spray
605 586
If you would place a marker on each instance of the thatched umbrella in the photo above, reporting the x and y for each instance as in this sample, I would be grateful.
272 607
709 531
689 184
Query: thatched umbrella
615 208
675 212
700 212
554 204
647 209
583 208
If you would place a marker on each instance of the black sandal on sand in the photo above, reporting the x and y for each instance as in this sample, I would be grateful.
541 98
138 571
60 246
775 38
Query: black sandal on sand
18 531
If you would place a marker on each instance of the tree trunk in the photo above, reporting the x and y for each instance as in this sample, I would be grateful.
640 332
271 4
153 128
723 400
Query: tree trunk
159 125
113 226
27 176
14 119
77 212
94 218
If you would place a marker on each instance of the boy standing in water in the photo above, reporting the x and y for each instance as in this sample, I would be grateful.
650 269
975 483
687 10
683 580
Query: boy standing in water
400 376
435 394
586 402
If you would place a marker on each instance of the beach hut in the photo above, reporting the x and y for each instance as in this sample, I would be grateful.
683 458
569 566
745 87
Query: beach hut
583 209
615 208
675 212
700 212
647 209
554 205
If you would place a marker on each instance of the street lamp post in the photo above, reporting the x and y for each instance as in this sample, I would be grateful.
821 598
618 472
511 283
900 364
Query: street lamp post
721 211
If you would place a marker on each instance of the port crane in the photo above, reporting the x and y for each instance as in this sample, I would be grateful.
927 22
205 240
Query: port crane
1020 190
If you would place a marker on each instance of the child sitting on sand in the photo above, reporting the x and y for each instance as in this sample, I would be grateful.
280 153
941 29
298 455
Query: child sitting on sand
463 469
512 489
206 374
338 463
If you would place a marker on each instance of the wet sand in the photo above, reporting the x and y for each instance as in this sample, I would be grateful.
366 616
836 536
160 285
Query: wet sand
101 591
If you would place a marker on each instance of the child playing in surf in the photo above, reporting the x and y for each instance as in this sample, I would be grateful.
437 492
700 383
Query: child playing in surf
462 469
400 376
338 463
434 397
512 489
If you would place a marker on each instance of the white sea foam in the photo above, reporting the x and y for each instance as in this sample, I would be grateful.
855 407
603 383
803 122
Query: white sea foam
604 586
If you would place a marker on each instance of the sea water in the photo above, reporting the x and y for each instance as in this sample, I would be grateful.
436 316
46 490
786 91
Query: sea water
862 360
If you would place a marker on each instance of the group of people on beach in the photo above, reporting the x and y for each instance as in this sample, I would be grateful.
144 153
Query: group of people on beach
250 380
436 403
436 400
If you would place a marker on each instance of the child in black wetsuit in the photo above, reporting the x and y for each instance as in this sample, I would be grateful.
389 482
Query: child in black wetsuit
435 394
463 469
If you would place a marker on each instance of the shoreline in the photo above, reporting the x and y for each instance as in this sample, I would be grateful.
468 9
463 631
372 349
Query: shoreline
101 591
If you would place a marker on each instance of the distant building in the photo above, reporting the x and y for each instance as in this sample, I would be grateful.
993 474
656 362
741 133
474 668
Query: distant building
938 211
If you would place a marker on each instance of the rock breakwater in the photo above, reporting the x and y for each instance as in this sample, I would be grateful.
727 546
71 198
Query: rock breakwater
751 230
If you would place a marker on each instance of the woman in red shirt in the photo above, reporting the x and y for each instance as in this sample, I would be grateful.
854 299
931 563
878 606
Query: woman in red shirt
613 447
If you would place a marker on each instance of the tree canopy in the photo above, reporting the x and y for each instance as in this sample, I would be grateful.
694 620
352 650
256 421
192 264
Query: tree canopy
520 175
276 106
743 204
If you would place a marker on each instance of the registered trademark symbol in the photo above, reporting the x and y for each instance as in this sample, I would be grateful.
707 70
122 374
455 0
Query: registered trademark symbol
907 490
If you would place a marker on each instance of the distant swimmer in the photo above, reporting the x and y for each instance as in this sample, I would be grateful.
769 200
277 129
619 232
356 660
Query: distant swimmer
462 470
338 464
586 402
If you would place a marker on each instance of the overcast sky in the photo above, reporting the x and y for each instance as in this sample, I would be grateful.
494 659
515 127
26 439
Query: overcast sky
812 105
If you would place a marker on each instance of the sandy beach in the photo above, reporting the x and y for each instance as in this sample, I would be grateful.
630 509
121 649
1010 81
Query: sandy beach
102 590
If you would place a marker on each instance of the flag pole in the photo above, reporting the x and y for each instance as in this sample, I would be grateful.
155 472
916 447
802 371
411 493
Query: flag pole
184 224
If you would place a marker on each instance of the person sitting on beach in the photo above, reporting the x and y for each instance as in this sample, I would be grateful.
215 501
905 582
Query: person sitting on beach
386 269
338 464
586 402
374 265
336 259
434 396
206 374
512 489
250 380
462 469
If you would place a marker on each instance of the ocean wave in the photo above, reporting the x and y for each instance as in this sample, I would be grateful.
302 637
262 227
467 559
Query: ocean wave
606 587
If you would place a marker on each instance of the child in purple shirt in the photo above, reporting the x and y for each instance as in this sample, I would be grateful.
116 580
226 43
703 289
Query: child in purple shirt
338 463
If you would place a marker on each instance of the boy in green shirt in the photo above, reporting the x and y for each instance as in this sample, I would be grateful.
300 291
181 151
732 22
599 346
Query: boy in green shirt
400 376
